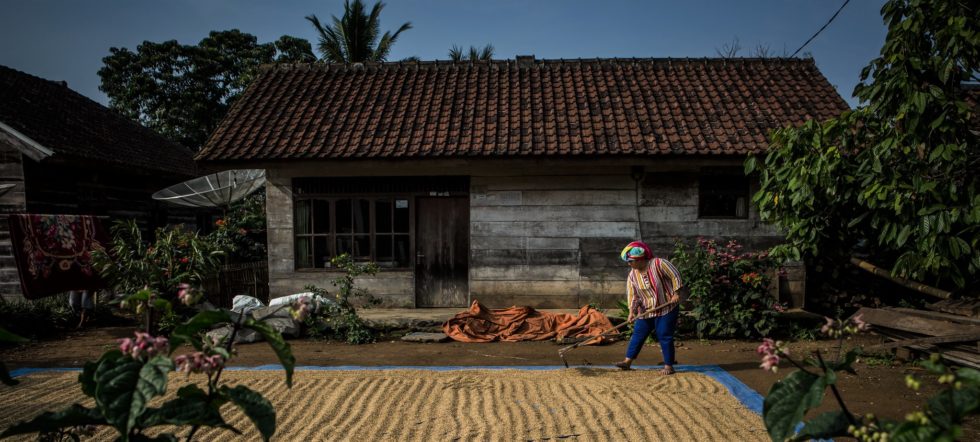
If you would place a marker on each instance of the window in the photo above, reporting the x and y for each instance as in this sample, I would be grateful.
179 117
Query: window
376 229
723 195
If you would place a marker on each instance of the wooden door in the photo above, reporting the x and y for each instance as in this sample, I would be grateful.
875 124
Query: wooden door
442 246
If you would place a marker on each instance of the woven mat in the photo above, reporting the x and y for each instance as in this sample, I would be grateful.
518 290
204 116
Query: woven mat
577 404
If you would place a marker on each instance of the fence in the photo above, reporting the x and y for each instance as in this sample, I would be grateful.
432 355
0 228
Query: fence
238 279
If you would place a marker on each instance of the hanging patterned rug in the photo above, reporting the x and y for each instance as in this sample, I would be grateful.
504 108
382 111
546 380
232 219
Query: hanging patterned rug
54 252
457 403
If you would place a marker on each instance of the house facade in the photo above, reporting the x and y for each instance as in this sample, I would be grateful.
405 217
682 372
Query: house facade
509 182
62 153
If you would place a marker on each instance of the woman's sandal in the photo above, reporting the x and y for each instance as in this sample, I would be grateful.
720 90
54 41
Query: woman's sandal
623 365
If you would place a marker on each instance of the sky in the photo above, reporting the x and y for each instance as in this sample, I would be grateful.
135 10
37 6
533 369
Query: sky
66 39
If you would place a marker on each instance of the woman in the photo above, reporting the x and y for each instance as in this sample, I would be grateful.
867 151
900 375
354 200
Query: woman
653 290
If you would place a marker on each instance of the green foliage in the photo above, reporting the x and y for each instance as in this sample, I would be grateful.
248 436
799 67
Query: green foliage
485 54
896 178
40 318
729 289
183 91
340 318
242 232
791 398
123 384
177 256
353 38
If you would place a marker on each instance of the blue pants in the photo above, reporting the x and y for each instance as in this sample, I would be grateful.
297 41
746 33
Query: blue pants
663 326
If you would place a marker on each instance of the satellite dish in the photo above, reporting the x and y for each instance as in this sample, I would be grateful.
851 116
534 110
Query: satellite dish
215 190
4 188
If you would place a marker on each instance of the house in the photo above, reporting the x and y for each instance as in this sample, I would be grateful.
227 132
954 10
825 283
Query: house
509 182
66 154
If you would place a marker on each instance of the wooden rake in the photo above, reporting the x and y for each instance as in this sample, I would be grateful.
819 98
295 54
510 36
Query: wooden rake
587 339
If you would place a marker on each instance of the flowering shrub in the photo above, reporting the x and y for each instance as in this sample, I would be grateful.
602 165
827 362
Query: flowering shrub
177 256
242 232
729 289
791 398
125 380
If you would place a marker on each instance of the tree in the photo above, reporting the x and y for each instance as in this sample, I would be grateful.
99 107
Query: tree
183 91
729 50
484 54
354 37
896 178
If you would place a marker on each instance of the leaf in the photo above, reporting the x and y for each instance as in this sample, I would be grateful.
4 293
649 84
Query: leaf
825 426
750 164
124 386
789 400
6 336
903 235
847 364
187 410
72 416
188 331
283 351
256 407
951 406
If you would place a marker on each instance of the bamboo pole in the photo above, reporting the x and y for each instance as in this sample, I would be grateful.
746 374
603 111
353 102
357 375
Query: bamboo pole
917 286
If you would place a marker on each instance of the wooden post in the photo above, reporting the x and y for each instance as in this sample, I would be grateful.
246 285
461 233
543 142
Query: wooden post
919 287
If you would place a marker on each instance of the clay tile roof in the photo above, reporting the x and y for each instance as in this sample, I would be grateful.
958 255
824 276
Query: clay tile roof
520 109
69 126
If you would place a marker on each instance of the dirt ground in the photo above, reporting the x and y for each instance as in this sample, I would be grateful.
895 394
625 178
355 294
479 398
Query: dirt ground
878 387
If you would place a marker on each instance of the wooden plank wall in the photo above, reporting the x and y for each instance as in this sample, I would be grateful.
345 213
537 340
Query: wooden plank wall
543 241
554 241
11 172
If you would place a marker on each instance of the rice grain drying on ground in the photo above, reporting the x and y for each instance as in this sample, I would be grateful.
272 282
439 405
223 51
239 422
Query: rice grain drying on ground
479 405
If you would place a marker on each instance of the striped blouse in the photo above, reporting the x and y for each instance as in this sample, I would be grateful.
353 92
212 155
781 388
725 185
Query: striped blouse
650 288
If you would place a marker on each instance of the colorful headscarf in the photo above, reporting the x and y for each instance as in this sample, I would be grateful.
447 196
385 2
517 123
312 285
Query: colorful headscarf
634 251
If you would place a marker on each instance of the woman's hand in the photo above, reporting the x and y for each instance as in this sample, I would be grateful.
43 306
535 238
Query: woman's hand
631 318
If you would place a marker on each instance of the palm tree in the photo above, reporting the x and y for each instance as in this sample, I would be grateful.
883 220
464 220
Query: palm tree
456 53
354 37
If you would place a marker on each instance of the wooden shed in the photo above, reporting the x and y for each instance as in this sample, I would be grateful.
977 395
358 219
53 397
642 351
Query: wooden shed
67 154
508 182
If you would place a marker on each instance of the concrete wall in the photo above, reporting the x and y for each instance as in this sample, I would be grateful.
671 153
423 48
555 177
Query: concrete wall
543 233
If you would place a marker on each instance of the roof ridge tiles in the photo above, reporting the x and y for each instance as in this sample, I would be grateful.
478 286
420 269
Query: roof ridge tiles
321 66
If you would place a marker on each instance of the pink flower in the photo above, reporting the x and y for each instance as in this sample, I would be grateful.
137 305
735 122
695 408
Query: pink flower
198 362
779 308
185 260
859 323
829 327
770 351
768 346
770 362
187 294
144 346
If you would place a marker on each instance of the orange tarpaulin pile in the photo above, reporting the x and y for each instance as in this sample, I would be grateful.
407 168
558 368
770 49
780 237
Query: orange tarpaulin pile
480 324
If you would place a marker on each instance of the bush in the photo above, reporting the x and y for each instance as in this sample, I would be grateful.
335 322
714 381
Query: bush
178 256
729 290
242 232
42 318
340 318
